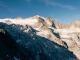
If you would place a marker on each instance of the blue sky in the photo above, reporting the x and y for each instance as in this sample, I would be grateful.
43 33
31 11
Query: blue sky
63 11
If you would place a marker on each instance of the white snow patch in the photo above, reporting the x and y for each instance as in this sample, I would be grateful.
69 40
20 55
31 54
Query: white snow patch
7 55
25 21
67 31
21 21
64 36
64 33
16 58
43 34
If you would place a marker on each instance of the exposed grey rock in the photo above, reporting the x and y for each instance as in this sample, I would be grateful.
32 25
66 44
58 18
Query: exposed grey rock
52 22
10 49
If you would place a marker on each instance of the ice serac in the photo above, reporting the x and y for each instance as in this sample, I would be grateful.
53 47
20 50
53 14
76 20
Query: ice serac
44 38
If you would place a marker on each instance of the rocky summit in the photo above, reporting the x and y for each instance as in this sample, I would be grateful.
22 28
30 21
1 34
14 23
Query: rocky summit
39 38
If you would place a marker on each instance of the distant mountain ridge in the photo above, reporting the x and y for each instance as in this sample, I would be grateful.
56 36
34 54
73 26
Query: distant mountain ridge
49 22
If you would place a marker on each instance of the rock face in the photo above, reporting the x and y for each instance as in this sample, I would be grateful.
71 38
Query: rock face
34 50
51 22
39 38
9 49
67 26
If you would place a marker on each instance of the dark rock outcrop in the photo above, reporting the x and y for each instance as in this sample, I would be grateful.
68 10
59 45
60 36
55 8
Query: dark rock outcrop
9 49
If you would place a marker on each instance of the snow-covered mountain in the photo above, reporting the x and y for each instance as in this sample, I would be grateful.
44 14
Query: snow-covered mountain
44 38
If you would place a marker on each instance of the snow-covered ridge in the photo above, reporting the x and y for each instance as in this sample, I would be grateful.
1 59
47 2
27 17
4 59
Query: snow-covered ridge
39 24
30 21
38 21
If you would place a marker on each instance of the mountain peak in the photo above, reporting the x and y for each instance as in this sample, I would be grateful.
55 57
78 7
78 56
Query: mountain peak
77 21
37 15
49 18
19 18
